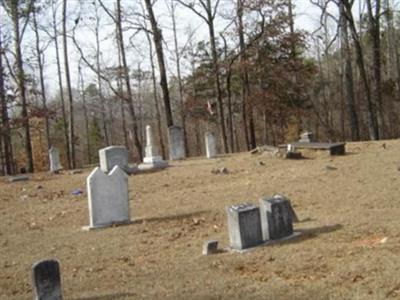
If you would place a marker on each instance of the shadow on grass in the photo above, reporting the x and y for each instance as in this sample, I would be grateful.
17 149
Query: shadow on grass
106 297
171 217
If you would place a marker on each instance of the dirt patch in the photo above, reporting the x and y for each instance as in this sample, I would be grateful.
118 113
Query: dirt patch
343 209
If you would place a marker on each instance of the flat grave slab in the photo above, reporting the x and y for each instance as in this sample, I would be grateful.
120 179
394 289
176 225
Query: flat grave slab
333 148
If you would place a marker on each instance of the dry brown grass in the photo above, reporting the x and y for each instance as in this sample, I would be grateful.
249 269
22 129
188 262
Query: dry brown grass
345 212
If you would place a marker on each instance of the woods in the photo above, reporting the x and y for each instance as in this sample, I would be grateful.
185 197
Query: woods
252 72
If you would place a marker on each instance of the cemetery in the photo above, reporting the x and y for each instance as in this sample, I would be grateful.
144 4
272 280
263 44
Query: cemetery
316 228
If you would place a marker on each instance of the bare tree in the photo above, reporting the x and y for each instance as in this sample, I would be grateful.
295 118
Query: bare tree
207 12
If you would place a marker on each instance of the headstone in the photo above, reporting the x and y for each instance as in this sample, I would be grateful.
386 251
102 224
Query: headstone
176 143
211 145
113 156
54 158
276 217
210 247
244 226
152 159
307 137
108 198
46 280
18 178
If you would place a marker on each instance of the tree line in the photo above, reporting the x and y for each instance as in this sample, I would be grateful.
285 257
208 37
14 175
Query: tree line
81 75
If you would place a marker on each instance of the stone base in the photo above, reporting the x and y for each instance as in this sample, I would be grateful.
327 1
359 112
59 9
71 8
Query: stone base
295 235
154 165
152 159
89 228
18 178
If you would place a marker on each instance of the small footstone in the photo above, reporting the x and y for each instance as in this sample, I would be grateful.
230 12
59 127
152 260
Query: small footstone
276 217
210 247
244 226
46 280
18 178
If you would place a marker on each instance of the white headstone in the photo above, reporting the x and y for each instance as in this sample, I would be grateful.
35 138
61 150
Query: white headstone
54 157
113 156
211 145
108 197
152 158
176 143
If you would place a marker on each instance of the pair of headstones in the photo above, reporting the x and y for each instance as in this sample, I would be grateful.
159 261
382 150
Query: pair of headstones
307 137
250 225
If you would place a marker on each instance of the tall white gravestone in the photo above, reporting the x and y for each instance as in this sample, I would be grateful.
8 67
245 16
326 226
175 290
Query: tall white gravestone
152 159
108 198
54 158
176 143
113 156
211 145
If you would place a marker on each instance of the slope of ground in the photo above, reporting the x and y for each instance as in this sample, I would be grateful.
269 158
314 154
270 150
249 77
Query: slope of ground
347 205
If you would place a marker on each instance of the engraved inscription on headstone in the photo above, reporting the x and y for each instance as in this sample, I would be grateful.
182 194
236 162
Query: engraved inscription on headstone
244 226
113 156
108 197
176 143
46 280
54 158
211 145
276 217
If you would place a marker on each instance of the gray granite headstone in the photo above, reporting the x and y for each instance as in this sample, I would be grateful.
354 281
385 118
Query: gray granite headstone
176 143
113 156
108 198
54 158
244 226
47 280
276 217
211 145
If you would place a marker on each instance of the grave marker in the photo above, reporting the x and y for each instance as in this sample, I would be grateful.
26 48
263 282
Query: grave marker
113 156
152 159
46 280
210 247
54 158
276 217
108 198
244 226
211 145
176 143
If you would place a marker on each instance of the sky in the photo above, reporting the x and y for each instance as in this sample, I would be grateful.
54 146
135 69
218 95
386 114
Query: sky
306 18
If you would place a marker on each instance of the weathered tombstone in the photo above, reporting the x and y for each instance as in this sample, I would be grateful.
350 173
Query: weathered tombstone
176 143
210 247
108 198
46 280
307 137
276 217
244 226
113 156
211 145
54 158
152 159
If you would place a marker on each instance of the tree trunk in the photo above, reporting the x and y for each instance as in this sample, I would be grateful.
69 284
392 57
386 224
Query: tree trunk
99 81
347 77
42 86
180 85
69 89
371 116
157 38
245 88
64 115
155 95
21 85
81 88
5 130
214 55
374 31
127 81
